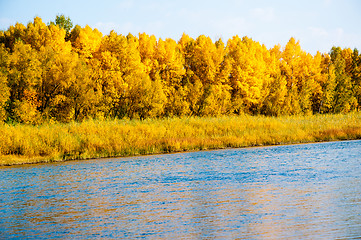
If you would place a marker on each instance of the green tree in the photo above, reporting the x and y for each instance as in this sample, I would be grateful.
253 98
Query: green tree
344 99
65 23
356 76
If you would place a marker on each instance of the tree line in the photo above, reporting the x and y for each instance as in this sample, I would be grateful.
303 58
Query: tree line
59 73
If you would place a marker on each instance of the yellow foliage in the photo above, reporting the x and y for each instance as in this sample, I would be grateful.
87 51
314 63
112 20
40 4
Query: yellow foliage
86 41
83 74
147 48
25 112
170 63
4 95
217 102
249 71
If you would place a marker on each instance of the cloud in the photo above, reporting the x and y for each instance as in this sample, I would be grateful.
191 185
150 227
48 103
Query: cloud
125 5
327 2
339 32
318 32
187 15
263 14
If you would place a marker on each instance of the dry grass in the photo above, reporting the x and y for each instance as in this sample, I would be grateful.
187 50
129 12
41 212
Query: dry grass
21 144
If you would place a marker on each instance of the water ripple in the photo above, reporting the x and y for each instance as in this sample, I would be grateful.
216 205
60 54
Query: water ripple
309 191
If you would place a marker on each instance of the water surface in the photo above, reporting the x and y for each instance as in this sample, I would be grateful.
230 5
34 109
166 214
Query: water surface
309 191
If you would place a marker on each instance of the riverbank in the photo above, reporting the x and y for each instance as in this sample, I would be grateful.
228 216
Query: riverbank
22 144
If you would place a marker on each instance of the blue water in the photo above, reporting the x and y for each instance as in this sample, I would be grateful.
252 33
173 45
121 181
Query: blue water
309 191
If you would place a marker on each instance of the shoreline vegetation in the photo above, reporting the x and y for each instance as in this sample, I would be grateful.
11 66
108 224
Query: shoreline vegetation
55 142
71 93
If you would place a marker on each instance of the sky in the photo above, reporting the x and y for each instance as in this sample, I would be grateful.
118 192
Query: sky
317 24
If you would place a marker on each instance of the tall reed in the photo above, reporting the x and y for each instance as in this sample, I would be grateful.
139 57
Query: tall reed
93 138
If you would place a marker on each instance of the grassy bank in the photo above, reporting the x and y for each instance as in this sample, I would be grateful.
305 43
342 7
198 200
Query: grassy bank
92 139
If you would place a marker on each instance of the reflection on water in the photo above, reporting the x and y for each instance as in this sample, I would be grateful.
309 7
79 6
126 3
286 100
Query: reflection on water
285 192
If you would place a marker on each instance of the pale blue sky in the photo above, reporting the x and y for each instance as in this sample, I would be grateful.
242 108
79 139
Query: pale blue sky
318 24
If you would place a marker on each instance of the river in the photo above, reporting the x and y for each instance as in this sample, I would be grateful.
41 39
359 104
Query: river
307 191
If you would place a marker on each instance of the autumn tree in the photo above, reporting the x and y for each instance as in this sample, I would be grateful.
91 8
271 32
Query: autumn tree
208 89
147 50
85 41
108 74
303 73
42 70
12 35
24 77
144 97
4 89
193 88
275 89
248 75
82 95
39 35
130 92
170 68
290 68
4 95
57 72
324 103
218 93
